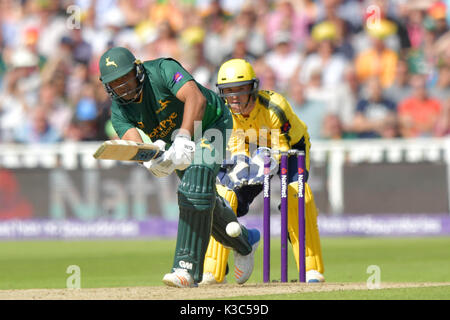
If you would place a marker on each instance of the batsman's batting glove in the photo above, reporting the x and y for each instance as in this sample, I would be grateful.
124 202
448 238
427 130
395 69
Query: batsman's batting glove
160 167
181 152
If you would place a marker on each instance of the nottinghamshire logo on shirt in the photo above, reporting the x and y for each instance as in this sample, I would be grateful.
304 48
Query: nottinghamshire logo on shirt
163 104
164 127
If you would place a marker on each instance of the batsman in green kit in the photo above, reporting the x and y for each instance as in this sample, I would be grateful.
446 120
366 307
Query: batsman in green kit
163 100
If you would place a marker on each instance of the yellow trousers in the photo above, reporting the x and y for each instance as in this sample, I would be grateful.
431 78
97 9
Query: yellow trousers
217 256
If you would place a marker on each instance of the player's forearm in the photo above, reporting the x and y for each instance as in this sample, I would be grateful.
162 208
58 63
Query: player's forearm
194 109
132 135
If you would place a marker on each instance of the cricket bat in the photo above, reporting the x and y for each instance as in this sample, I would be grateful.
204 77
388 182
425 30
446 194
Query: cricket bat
124 150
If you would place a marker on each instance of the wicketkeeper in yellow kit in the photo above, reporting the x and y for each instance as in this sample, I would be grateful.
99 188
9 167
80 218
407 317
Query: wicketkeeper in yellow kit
265 119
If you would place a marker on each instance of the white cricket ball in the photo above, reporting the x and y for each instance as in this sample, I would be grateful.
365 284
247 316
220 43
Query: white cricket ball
233 229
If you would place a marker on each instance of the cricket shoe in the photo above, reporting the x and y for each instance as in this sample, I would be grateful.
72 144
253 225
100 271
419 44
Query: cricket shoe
180 278
208 278
243 265
313 276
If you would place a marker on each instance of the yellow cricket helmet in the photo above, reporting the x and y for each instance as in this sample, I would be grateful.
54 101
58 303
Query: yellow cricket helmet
236 72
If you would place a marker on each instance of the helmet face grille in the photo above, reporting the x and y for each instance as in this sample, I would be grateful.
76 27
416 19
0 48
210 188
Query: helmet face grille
140 77
253 91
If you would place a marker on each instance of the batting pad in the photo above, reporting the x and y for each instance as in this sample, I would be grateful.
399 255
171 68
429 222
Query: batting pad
196 198
216 257
313 254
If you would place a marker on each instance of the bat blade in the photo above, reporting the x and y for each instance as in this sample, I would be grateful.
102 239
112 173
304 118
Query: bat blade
124 150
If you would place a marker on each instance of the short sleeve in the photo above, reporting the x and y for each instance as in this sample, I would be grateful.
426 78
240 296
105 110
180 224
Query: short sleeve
174 75
120 123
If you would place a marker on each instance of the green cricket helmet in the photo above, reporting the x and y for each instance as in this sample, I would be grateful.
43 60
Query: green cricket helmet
116 63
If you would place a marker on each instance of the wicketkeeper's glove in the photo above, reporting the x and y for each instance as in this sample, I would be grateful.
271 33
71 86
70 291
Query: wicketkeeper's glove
242 170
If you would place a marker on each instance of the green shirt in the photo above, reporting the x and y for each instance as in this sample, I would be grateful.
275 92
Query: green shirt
159 112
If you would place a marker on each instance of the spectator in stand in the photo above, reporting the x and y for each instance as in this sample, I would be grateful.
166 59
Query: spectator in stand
2 60
245 33
344 30
378 61
233 7
76 79
419 113
84 126
311 112
283 60
103 106
13 107
240 50
215 24
288 20
134 11
266 75
30 42
422 60
2 70
37 129
414 38
442 127
194 60
168 11
331 63
29 80
166 44
58 111
392 13
316 91
82 51
400 88
345 98
437 12
311 9
332 128
441 90
52 26
447 5
372 113
414 26
19 93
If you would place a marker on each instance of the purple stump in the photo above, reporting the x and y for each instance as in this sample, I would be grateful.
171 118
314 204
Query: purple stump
284 216
301 215
266 223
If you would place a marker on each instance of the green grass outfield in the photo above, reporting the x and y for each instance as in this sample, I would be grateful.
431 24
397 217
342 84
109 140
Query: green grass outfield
128 263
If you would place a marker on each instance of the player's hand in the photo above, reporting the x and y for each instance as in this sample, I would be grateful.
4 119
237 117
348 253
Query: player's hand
238 172
258 160
160 167
242 170
181 152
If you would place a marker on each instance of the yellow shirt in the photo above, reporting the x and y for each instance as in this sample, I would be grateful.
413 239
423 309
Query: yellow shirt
370 63
272 123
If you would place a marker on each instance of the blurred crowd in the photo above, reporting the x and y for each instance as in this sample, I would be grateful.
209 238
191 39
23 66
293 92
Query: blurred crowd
349 68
